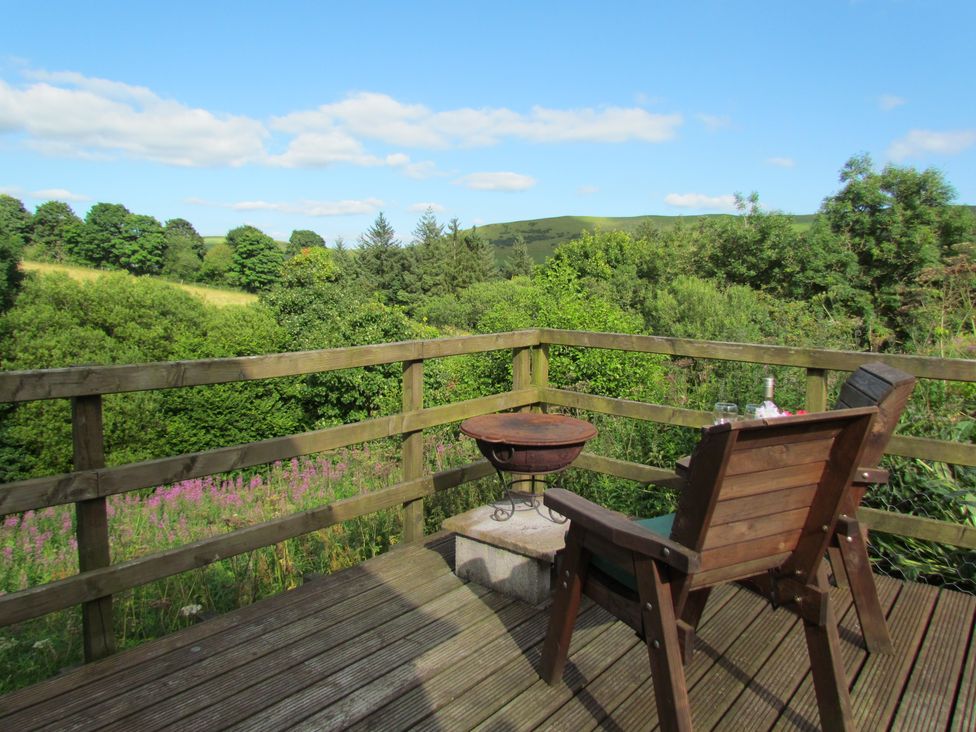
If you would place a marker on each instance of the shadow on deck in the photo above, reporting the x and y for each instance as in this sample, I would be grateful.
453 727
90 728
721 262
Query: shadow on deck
399 642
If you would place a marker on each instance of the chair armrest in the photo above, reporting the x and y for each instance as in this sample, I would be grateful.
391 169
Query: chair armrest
682 465
870 476
619 530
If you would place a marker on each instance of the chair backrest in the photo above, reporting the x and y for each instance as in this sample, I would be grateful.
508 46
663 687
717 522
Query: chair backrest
762 494
882 386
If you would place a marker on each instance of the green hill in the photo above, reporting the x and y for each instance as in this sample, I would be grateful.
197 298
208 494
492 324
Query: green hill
542 236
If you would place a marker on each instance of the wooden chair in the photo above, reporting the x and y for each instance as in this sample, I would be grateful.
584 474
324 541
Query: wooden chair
761 501
887 388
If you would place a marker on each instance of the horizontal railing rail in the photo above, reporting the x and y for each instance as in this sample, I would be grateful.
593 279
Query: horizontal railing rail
91 482
74 381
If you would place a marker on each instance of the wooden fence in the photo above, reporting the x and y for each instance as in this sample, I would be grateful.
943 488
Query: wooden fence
91 482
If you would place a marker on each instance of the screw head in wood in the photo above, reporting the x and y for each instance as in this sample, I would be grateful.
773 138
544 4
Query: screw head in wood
649 607
656 644
665 551
850 538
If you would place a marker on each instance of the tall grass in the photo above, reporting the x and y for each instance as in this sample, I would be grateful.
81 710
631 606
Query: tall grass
40 546
218 296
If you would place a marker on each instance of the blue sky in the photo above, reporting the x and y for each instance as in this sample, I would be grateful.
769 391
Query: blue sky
302 115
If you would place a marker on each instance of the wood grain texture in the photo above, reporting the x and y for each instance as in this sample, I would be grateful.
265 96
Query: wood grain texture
19 386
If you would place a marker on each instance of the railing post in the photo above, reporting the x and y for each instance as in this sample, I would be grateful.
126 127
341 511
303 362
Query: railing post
540 369
816 390
413 449
92 517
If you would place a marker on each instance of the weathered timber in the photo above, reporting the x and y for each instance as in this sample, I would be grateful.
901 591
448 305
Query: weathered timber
627 470
394 644
625 408
19 386
816 400
58 489
98 634
957 453
244 653
37 601
365 584
412 451
918 527
955 369
927 699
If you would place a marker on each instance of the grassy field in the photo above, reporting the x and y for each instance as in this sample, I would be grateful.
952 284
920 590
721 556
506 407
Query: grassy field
211 295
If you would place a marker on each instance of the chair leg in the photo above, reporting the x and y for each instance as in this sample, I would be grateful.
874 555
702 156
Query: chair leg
663 647
690 617
837 562
829 677
565 607
864 593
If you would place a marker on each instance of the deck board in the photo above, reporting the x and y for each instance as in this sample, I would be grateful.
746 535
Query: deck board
400 643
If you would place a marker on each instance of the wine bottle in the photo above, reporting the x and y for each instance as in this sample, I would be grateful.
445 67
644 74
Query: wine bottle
768 407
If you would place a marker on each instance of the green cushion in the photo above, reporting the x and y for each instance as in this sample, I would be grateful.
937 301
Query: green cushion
660 525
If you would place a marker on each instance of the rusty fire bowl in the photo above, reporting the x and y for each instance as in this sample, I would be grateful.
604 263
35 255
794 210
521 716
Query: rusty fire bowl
529 442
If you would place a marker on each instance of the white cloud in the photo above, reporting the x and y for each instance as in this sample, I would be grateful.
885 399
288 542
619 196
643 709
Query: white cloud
887 102
500 181
77 115
59 194
781 162
422 207
381 117
701 201
304 207
319 149
68 114
714 122
587 190
918 143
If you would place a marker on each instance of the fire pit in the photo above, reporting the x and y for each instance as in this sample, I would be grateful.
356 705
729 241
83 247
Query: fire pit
527 442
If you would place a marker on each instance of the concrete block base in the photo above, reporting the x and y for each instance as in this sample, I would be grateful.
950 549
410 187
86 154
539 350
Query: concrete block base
514 557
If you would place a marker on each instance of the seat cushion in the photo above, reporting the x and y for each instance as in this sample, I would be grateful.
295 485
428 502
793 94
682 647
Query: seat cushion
660 525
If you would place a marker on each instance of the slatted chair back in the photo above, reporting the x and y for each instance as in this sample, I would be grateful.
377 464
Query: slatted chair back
762 493
882 386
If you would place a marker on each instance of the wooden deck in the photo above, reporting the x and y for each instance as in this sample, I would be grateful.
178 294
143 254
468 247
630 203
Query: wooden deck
399 642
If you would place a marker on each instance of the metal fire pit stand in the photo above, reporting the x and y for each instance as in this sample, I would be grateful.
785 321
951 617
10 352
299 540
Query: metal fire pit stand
512 498
527 443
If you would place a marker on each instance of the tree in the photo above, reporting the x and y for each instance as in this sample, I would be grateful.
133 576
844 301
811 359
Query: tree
100 241
218 264
185 250
15 227
143 247
896 223
52 220
429 273
381 261
478 259
320 309
428 230
15 220
303 239
756 248
256 258
520 263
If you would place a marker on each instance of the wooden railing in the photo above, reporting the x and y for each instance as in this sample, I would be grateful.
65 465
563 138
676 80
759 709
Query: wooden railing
91 482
